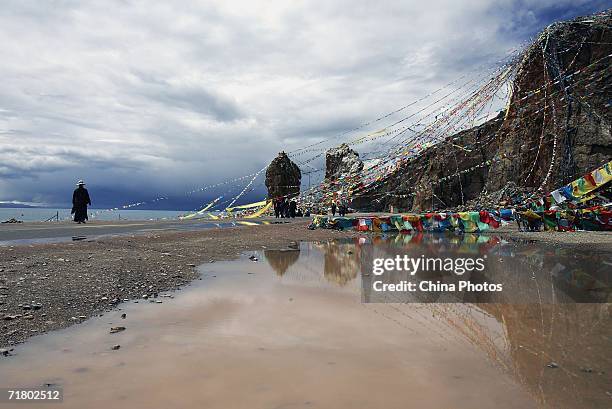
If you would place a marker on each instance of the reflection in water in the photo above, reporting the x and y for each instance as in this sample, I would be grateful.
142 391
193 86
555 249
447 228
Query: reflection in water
293 332
281 260
341 262
559 350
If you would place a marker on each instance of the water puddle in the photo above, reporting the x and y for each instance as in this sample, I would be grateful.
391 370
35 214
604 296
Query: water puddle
290 330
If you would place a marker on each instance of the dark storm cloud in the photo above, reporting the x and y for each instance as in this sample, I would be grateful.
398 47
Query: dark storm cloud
148 98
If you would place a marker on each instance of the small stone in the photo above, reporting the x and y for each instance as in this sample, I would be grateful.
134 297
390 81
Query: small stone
115 347
553 365
114 330
586 370
145 296
123 316
26 307
28 317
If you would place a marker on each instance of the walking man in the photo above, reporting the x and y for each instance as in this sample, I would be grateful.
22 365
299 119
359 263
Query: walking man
80 200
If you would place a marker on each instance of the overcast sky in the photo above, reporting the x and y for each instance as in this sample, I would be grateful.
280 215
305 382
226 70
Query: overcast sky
142 98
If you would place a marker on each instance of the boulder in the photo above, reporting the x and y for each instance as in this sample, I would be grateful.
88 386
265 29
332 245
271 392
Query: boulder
283 177
342 160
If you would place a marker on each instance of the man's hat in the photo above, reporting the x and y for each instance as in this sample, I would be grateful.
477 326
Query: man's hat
80 183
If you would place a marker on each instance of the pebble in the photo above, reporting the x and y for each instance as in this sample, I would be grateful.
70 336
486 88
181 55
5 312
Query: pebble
114 330
115 347
553 365
123 316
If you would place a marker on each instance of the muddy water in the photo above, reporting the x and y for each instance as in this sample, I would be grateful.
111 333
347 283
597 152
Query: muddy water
290 331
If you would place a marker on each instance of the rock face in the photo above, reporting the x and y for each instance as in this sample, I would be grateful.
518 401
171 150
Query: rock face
342 160
573 135
423 174
544 140
283 177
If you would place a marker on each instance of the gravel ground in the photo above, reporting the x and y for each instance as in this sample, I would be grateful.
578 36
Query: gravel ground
52 286
581 240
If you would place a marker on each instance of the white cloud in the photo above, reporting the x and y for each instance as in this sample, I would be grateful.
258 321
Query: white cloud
159 97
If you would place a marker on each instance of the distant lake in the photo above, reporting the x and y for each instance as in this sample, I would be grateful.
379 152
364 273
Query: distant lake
41 214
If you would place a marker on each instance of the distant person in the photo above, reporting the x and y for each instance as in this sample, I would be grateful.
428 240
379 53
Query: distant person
292 209
80 200
333 208
276 207
281 207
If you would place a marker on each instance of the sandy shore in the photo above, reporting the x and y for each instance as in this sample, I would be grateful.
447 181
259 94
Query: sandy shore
50 286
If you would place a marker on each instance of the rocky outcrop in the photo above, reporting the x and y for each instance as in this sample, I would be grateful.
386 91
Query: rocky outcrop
557 127
417 184
340 161
571 134
283 177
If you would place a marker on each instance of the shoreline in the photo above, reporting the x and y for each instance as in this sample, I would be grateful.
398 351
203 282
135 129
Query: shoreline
73 281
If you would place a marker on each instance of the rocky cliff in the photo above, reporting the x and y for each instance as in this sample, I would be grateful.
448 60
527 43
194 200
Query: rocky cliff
556 128
283 177
340 161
